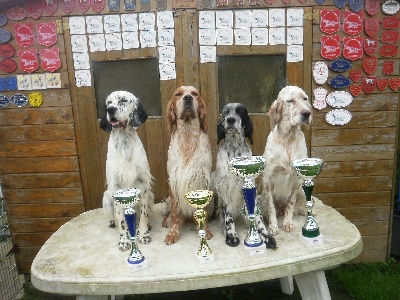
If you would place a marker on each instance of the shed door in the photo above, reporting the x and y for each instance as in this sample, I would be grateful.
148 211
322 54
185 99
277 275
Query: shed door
251 74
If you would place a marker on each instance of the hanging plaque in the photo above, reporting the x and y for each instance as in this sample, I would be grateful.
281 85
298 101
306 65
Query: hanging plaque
320 98
339 99
19 100
355 89
352 47
16 13
320 72
370 45
388 67
5 36
50 7
35 99
320 1
329 21
7 50
4 101
372 7
28 61
3 20
369 84
162 4
340 65
339 82
50 59
35 9
47 33
270 2
389 50
371 26
356 5
24 34
3 86
390 36
67 6
330 46
11 82
8 65
340 3
286 1
382 83
338 117
369 64
352 22
98 5
391 7
390 22
83 5
355 74
394 83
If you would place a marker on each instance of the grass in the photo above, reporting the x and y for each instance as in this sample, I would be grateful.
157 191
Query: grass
375 281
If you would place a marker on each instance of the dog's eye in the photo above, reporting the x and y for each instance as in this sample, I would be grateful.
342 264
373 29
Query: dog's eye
289 101
305 99
194 94
178 94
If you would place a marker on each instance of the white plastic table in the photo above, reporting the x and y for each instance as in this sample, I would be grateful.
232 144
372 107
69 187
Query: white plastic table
82 259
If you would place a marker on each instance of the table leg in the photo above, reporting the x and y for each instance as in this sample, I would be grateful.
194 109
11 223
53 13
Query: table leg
287 286
313 285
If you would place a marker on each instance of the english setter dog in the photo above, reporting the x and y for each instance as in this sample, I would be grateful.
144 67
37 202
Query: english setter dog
233 128
282 189
189 155
127 165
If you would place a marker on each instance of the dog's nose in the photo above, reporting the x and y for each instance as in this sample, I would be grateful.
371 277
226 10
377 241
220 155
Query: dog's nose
111 110
188 98
231 120
306 114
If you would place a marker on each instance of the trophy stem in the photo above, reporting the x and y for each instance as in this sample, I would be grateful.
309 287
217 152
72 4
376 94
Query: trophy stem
204 250
249 191
310 229
135 257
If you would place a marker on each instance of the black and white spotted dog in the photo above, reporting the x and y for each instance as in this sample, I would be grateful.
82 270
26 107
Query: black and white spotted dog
127 165
233 128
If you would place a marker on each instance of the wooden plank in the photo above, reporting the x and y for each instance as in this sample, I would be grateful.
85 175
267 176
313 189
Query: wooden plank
357 136
25 257
38 164
31 239
353 184
356 168
373 228
261 132
45 210
371 256
354 199
51 97
354 152
375 242
35 225
369 214
38 149
36 116
41 180
44 195
47 132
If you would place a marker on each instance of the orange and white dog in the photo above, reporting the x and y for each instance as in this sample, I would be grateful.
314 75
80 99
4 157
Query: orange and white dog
189 156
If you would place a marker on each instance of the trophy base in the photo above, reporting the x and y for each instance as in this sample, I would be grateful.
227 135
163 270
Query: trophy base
138 266
254 251
311 242
206 259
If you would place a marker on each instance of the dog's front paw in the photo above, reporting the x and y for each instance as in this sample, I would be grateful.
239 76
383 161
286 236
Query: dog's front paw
111 224
124 243
172 237
273 229
270 241
288 226
145 238
232 239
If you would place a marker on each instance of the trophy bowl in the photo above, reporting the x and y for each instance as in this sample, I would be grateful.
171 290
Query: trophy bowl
199 198
247 167
127 196
307 168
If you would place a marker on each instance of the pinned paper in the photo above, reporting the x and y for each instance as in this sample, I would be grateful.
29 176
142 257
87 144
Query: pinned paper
83 78
94 24
277 17
243 18
259 36
167 71
166 54
77 25
165 19
81 61
79 43
320 98
129 22
38 81
148 38
206 19
277 36
24 82
130 40
113 41
208 54
224 18
147 21
295 17
207 37
97 42
112 23
165 37
53 80
224 36
259 18
294 36
242 36
294 53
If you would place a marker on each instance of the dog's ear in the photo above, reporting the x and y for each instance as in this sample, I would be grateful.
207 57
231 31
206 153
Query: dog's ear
138 115
275 113
248 126
171 114
220 131
202 113
104 124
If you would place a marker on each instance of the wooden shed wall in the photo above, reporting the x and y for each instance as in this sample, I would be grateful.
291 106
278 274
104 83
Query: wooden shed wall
40 161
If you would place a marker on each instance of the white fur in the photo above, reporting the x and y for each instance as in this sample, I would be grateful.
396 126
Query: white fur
283 193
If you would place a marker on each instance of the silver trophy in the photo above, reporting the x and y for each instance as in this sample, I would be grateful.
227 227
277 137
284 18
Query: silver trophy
248 168
199 199
129 197
306 169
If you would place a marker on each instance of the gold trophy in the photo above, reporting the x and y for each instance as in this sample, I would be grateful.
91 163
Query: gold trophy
199 199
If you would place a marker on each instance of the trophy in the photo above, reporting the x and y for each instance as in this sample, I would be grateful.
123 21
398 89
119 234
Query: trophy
248 168
128 198
306 169
199 199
